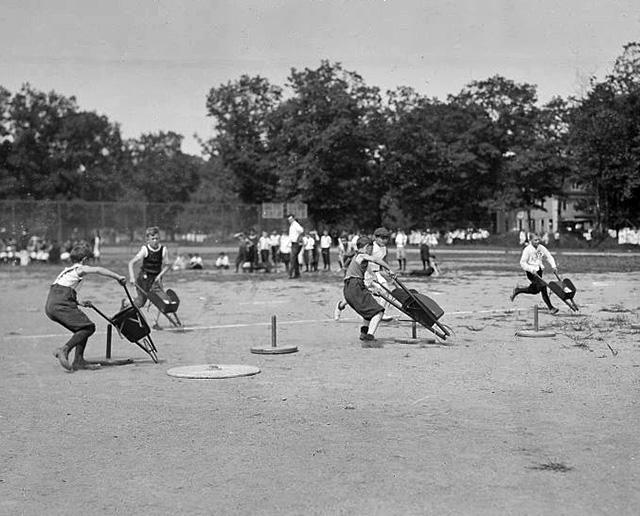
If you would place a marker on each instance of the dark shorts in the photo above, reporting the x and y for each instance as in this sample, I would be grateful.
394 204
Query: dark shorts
62 307
145 281
360 299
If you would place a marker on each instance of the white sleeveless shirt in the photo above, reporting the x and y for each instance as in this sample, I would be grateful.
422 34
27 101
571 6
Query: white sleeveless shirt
69 277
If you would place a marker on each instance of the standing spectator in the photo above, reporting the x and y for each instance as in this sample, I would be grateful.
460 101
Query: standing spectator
325 249
315 252
253 256
531 262
274 243
522 236
264 246
295 236
54 252
284 250
308 244
425 255
96 246
401 250
241 258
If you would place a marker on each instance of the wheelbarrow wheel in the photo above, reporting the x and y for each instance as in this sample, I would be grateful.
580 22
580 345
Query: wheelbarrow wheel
148 347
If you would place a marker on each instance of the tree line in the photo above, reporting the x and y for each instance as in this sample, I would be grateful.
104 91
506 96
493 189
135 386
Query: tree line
356 156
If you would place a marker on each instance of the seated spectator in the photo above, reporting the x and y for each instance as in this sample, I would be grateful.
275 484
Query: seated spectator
180 263
195 262
222 261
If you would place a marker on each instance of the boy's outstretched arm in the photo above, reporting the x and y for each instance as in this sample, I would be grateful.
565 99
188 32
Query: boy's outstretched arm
101 271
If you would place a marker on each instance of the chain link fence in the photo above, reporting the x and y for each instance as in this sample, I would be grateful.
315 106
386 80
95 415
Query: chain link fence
122 223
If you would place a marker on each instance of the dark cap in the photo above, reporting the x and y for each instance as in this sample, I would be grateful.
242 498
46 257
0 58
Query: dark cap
363 241
381 232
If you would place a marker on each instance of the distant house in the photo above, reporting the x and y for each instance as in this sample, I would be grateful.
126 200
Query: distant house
559 213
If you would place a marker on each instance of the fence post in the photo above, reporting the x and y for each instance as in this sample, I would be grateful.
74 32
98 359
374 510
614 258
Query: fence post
144 217
59 213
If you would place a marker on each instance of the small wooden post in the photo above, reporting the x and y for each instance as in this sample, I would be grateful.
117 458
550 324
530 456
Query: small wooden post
414 330
535 317
109 332
273 332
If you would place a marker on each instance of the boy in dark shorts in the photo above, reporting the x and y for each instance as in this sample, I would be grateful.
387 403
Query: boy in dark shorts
155 263
62 307
358 295
531 262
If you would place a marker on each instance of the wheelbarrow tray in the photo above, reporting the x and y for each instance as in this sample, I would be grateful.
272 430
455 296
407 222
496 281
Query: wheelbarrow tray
564 289
131 324
165 301
419 307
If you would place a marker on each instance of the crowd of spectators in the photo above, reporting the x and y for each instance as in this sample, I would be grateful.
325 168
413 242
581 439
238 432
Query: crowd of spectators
26 249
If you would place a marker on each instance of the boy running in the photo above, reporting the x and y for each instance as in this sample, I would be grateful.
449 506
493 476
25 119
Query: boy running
356 293
532 263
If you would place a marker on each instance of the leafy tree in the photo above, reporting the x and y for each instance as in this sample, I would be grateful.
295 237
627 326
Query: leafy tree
524 164
605 140
326 146
159 171
52 150
440 163
240 111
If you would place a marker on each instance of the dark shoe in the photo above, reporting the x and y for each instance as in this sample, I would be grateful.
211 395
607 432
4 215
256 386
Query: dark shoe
369 341
513 294
363 332
554 311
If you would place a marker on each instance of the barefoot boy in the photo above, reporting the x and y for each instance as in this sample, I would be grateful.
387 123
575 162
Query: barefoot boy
356 293
62 307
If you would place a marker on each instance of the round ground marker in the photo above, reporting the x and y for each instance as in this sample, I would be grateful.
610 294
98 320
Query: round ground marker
535 333
271 350
212 371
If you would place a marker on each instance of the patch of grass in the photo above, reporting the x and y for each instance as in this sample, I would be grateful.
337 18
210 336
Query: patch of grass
556 467
615 308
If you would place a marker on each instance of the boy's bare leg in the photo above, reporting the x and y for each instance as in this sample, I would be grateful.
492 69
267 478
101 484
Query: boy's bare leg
62 354
79 361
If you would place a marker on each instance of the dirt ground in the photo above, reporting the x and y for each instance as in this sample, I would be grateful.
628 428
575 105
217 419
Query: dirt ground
486 423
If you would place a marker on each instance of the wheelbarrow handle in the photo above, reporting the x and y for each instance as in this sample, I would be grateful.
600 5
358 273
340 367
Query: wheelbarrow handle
124 286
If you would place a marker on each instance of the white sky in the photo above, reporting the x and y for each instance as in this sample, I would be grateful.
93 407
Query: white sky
149 64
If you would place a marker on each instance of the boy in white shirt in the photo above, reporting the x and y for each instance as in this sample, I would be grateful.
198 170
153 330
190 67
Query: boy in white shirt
531 262
62 307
